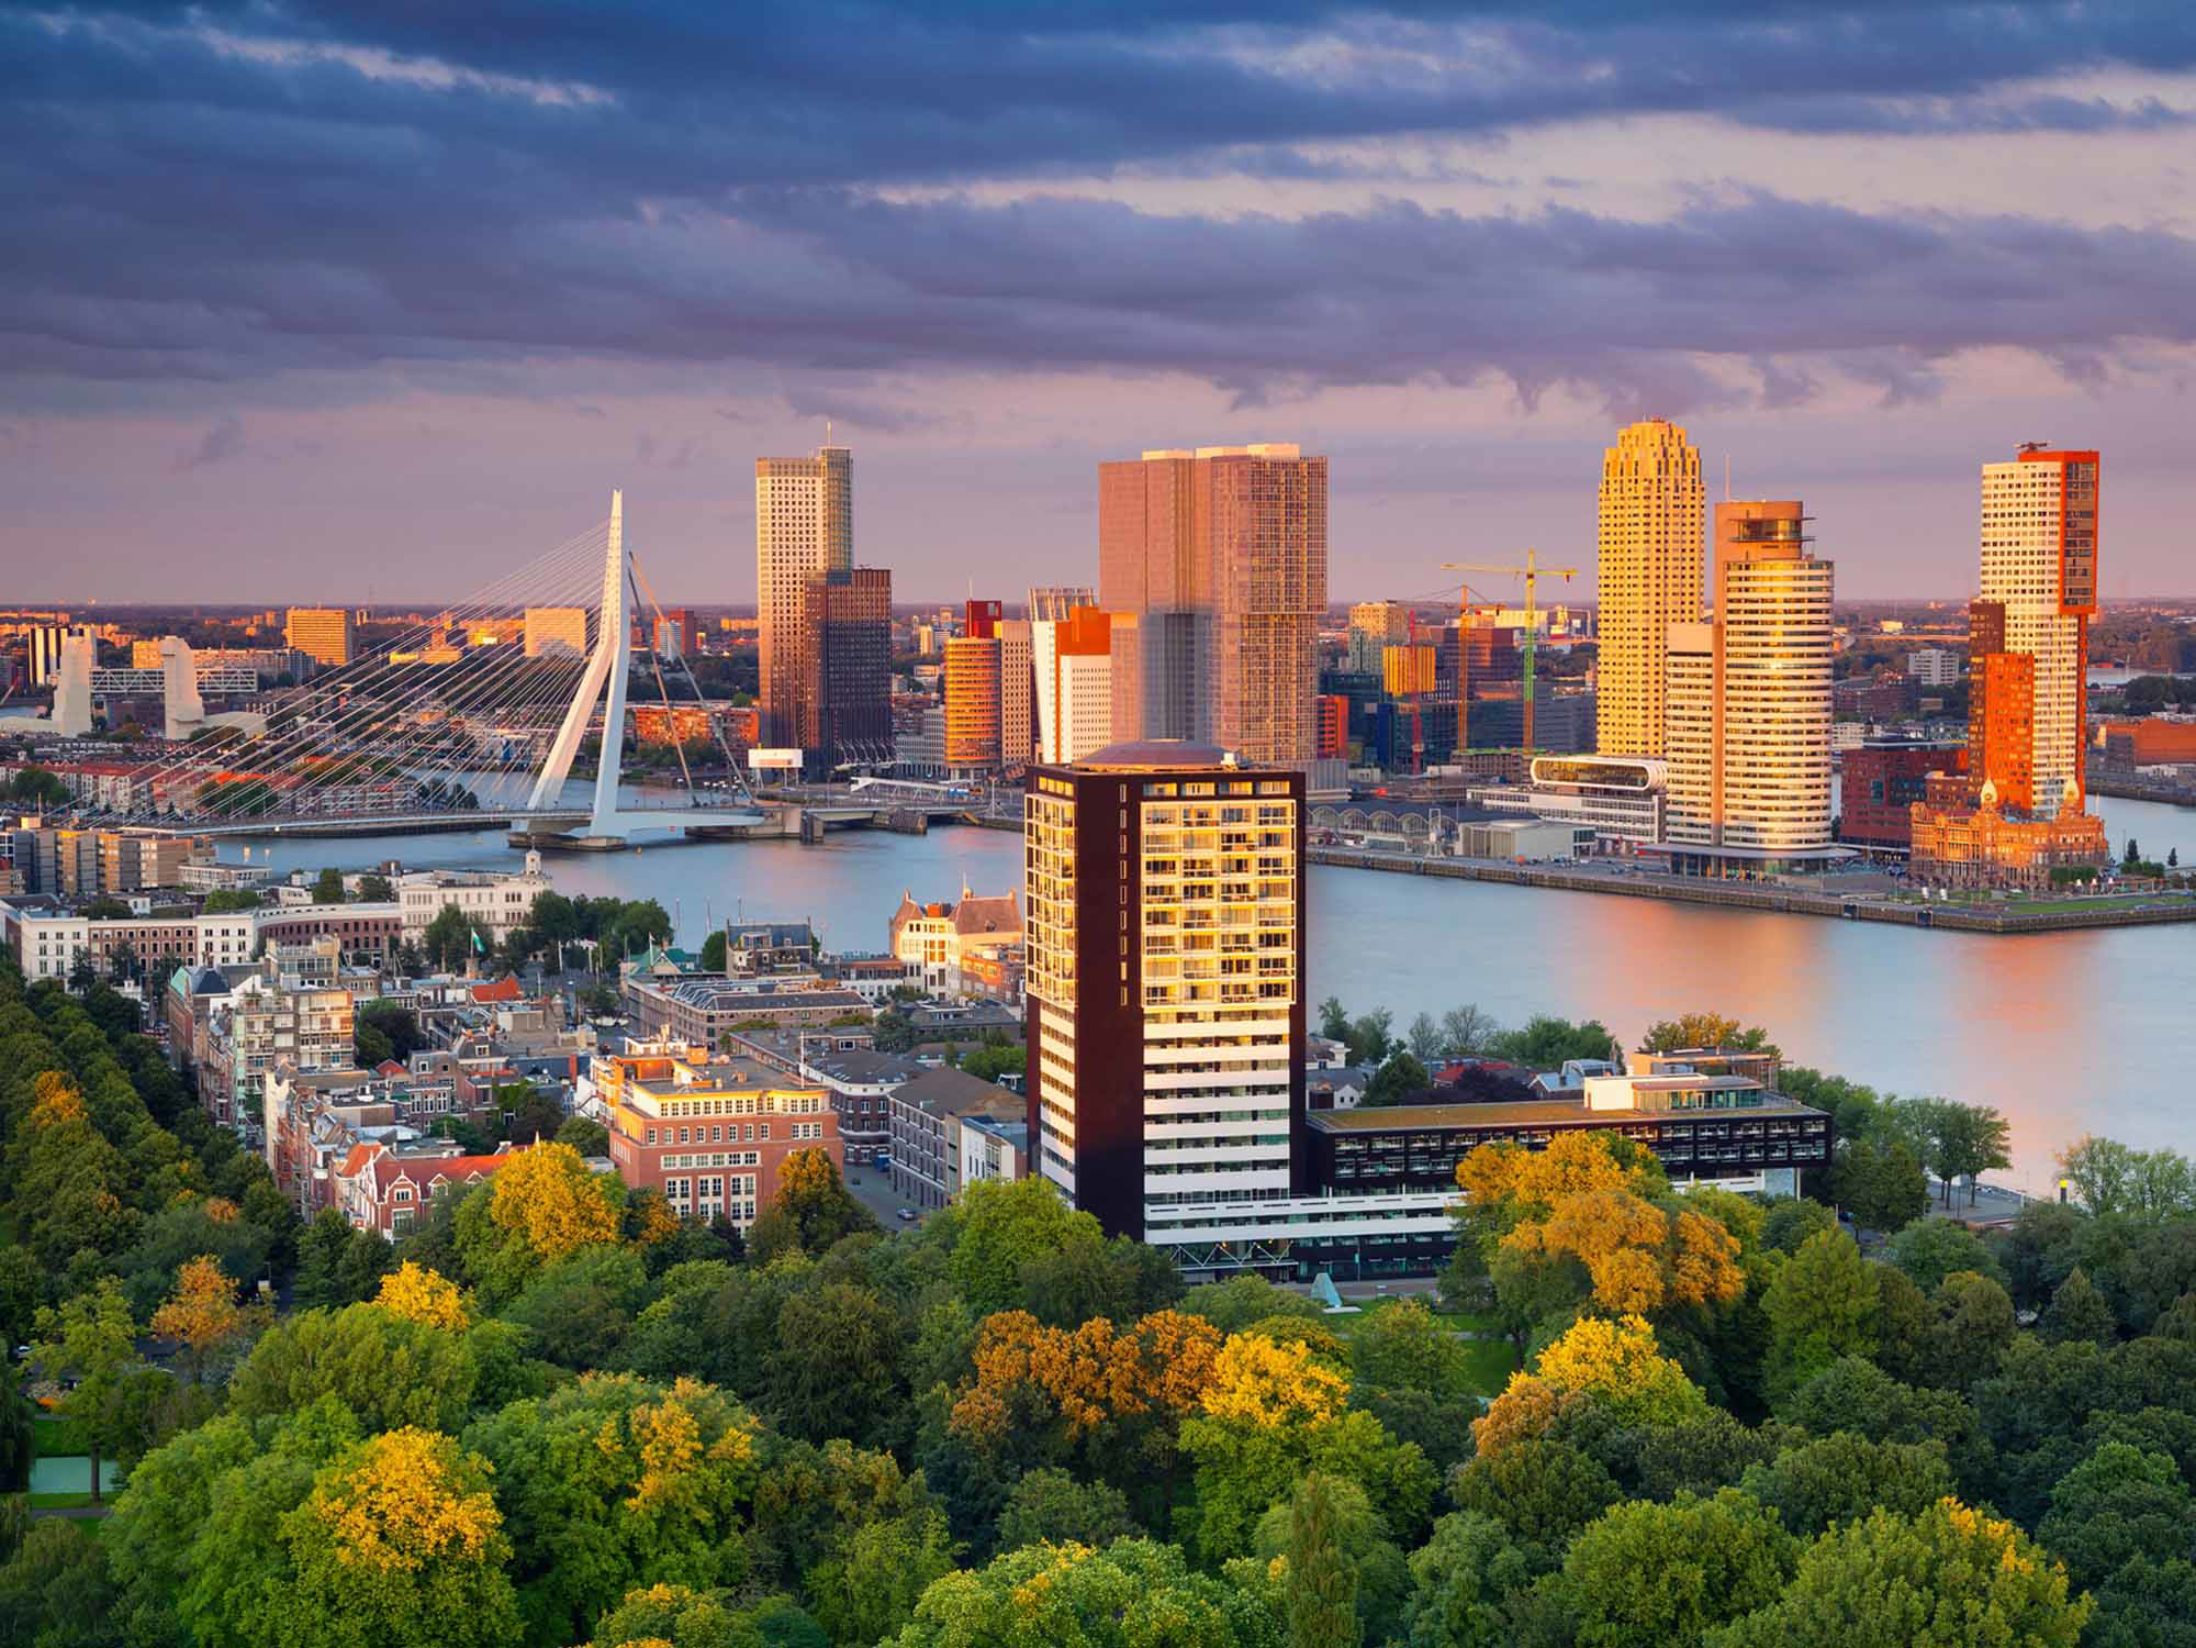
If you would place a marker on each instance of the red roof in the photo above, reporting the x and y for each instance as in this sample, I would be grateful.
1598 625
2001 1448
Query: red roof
505 988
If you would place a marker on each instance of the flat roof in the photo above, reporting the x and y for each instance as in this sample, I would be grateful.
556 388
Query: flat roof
1529 1113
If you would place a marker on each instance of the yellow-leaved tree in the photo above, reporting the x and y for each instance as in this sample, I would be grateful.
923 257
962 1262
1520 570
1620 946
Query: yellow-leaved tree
543 1205
400 1541
202 1312
1618 1364
421 1295
1088 1376
1265 1383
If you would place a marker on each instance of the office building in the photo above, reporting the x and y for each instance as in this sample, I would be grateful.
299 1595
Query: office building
556 632
2021 813
1374 627
1652 504
989 688
712 1136
844 706
674 633
1623 799
45 651
931 1157
1880 780
2039 569
804 527
1933 667
1165 1008
1747 701
1221 555
1072 656
323 634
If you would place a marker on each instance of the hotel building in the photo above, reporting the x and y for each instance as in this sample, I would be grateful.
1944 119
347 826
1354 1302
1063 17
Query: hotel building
1166 1014
1652 504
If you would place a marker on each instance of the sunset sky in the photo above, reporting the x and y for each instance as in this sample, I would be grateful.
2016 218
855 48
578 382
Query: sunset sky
375 301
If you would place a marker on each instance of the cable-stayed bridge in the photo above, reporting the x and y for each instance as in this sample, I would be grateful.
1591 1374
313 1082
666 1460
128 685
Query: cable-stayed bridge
480 713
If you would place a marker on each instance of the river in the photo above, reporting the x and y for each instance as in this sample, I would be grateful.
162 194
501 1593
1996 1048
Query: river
2067 1033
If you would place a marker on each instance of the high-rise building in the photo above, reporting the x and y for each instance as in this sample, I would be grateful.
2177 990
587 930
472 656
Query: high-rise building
1165 995
45 651
1055 603
1221 554
844 702
1073 657
556 632
804 525
323 634
1747 697
972 678
2039 566
674 634
1017 694
1374 627
1652 503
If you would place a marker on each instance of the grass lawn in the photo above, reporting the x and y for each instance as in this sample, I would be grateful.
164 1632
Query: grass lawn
1488 1358
58 1501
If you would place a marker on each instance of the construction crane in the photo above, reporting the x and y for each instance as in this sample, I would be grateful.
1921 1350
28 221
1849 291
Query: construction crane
1530 572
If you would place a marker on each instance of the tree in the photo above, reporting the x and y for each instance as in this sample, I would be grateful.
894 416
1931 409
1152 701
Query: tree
1645 1575
1401 1077
423 1296
55 1591
223 900
1790 1220
396 1023
834 1370
1050 1506
2078 1311
1929 1250
1320 1591
1955 1141
328 886
1616 1365
1840 1478
451 938
1541 1491
713 952
812 1211
1821 1305
1547 1043
1948 1578
999 1227
1133 1594
38 787
88 1346
1461 1580
543 1204
2118 1505
202 1313
1423 1038
376 889
1882 1185
988 1060
1404 1346
2108 1177
1691 1030
585 1135
400 1541
1466 1030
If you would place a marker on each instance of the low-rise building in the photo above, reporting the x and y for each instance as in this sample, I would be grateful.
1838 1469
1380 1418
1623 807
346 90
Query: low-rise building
929 1153
704 1009
860 1080
385 1188
1623 798
712 1135
266 1022
945 942
497 903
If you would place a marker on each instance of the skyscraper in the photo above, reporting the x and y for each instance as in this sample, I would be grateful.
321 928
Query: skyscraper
1221 555
845 649
1073 658
804 524
1652 501
1747 696
323 634
1166 1016
2039 567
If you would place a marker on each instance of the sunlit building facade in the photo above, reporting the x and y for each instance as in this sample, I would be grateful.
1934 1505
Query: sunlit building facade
1166 1013
804 525
1652 512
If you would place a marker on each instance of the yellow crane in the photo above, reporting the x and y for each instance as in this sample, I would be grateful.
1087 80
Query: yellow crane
1530 572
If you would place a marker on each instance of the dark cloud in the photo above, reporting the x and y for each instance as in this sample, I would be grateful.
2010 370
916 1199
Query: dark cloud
232 191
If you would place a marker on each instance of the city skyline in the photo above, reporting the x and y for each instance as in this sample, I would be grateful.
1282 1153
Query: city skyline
1939 237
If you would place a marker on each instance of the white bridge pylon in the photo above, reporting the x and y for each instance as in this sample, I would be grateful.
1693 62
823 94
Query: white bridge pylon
610 661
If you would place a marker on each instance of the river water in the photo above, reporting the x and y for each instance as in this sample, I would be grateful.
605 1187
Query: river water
2067 1033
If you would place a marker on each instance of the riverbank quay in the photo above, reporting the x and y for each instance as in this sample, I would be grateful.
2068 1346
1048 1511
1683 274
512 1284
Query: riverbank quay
2015 916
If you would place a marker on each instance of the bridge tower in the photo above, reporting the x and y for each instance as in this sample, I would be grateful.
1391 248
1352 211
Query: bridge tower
607 666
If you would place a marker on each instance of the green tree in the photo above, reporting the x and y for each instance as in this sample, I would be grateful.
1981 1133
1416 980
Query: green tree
1050 1506
1950 1577
223 900
376 889
1647 1575
1790 1220
1690 1030
55 1591
988 1061
451 938
1462 1580
811 1212
88 1346
2117 1505
1542 1491
834 1370
37 787
1401 1078
713 953
1320 1591
1842 1477
1547 1043
2079 1311
1000 1226
328 886
1883 1185
1404 1346
587 1136
1929 1250
1133 1594
2108 1177
397 1023
1820 1305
